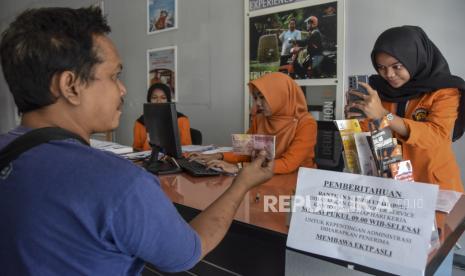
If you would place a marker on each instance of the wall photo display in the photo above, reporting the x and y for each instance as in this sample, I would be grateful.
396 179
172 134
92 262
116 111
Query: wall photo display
301 38
301 42
161 68
162 15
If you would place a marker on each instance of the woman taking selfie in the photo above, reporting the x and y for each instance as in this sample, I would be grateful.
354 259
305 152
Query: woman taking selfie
420 99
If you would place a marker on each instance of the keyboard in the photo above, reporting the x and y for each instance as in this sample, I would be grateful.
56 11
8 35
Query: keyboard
195 169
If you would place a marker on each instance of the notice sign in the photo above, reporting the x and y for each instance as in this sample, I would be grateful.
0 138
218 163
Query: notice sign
375 222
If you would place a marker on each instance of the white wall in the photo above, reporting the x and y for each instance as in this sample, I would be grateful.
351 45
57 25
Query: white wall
210 64
210 53
7 105
9 9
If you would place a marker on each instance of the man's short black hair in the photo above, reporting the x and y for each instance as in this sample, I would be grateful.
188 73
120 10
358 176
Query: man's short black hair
42 42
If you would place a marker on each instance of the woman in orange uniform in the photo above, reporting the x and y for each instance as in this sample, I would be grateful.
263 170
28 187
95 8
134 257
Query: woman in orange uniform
280 109
422 102
159 93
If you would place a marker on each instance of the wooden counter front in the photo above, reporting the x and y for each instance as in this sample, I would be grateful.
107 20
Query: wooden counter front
199 192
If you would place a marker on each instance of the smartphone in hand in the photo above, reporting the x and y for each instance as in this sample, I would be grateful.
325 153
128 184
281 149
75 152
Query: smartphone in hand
354 85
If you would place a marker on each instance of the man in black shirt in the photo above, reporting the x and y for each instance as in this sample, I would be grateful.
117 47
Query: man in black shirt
309 68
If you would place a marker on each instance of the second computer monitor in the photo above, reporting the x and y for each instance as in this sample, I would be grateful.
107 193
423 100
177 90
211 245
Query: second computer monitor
161 121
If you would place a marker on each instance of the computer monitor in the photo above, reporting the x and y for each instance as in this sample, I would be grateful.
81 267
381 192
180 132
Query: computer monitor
161 121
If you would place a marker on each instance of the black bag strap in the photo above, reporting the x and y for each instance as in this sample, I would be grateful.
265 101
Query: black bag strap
32 139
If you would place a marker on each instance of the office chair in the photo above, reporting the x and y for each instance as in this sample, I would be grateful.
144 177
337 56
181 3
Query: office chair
196 136
328 148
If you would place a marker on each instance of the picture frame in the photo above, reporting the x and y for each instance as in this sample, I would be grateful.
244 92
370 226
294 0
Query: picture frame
162 16
265 21
306 51
162 68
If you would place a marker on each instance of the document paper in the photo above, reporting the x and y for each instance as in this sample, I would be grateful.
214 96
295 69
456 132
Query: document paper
375 222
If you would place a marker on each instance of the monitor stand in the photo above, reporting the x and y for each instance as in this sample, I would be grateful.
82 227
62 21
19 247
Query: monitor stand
160 167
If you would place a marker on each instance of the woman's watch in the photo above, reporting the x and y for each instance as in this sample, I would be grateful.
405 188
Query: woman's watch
389 117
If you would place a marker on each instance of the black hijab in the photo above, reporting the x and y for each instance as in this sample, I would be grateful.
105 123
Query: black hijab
166 90
428 70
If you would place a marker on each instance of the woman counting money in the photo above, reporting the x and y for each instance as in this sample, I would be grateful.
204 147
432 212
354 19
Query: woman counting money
280 109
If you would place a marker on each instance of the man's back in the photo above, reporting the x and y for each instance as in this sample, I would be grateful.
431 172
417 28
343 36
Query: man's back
69 209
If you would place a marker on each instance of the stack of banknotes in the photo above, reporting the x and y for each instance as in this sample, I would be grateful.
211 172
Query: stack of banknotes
252 144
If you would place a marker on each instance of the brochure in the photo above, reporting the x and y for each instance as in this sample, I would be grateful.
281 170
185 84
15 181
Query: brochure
347 129
402 170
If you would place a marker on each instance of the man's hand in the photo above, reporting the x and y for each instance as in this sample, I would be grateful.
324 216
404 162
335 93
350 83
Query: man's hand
257 172
213 223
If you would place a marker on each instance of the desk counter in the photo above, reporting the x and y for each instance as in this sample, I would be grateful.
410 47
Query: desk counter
256 242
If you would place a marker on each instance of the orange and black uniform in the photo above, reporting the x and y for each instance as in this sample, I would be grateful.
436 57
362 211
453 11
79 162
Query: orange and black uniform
291 123
431 104
140 134
430 120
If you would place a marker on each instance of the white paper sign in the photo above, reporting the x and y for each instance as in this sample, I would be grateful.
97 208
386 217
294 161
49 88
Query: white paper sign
376 222
447 200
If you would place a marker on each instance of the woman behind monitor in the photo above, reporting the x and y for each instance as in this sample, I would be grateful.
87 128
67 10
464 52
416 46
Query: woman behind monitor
159 93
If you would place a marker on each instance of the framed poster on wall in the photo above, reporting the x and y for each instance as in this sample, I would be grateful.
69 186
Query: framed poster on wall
301 38
161 68
162 15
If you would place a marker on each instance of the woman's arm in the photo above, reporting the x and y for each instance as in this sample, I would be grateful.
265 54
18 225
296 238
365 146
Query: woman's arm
439 123
184 131
436 127
140 136
373 108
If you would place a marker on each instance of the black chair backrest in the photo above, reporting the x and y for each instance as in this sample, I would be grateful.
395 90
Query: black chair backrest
328 148
196 136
